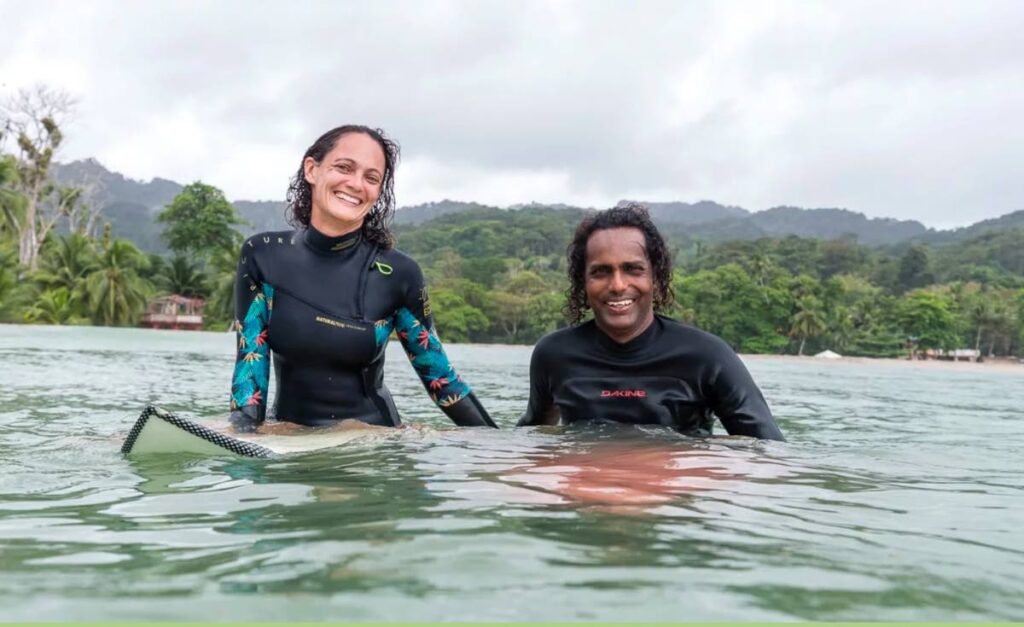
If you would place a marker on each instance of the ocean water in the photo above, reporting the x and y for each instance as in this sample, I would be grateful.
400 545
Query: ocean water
899 496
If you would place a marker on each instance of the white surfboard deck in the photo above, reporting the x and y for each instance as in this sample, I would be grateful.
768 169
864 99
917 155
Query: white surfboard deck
159 431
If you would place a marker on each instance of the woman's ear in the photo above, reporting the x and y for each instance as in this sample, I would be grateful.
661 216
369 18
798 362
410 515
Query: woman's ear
309 169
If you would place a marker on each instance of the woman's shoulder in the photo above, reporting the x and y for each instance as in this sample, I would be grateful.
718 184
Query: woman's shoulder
269 239
398 261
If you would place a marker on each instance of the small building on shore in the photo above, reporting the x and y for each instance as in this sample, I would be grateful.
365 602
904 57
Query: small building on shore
174 312
959 354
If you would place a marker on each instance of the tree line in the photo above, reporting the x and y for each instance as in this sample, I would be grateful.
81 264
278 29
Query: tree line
498 276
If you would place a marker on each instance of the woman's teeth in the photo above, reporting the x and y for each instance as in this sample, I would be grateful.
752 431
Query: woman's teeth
352 200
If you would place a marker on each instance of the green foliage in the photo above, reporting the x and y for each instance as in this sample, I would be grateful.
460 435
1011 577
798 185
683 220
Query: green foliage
184 277
12 291
200 221
220 306
457 320
12 203
499 276
56 306
808 321
729 303
66 262
117 294
928 318
914 269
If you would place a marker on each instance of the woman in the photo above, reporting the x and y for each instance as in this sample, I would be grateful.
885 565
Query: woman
325 298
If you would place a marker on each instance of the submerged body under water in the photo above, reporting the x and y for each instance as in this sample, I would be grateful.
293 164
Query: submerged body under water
897 497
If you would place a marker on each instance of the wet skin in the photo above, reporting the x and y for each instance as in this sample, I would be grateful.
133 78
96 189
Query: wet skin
619 283
345 184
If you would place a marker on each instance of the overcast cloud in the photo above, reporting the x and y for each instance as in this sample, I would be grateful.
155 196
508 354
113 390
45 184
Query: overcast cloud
899 109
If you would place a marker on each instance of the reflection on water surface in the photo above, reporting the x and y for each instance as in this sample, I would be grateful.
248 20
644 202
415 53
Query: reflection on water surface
896 498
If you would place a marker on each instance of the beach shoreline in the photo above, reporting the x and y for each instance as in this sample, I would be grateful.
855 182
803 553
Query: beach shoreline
995 364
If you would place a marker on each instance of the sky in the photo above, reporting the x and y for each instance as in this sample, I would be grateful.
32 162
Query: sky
910 110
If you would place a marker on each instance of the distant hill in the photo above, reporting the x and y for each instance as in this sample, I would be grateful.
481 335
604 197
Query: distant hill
685 213
131 207
1002 223
418 214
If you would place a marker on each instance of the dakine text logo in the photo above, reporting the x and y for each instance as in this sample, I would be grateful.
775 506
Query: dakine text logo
623 393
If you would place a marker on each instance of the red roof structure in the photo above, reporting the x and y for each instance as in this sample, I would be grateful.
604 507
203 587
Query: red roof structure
174 312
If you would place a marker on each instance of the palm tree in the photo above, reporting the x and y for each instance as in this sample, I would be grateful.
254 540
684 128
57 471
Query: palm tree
66 261
221 306
10 292
183 277
806 322
117 294
56 306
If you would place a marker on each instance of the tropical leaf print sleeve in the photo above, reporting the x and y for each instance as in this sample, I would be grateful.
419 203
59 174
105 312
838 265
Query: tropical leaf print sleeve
254 301
414 325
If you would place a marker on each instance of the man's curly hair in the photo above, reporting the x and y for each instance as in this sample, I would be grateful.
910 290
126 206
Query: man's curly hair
377 224
631 215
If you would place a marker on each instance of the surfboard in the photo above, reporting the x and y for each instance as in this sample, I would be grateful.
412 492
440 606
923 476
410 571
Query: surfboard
161 431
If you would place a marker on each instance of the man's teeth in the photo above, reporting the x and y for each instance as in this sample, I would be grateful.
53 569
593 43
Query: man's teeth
620 303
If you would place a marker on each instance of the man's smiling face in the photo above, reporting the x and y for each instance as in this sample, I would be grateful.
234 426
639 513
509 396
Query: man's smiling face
619 282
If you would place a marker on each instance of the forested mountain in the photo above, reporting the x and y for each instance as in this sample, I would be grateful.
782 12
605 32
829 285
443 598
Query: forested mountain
782 280
131 207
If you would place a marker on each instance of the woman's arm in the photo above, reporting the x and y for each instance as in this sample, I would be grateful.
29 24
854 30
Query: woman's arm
414 325
254 301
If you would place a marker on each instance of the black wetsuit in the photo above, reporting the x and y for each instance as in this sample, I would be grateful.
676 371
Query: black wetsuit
325 308
671 374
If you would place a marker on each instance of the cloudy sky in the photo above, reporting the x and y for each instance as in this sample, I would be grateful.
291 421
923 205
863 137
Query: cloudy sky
900 109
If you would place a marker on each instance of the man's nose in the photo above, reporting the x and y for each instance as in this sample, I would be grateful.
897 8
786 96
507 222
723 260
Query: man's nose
618 282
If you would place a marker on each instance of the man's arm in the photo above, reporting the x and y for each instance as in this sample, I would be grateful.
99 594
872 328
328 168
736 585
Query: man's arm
541 408
738 402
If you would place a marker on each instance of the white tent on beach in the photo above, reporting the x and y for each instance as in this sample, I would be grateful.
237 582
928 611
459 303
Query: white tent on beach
827 354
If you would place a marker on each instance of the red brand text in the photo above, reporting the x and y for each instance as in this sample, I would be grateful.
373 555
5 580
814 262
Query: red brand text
623 393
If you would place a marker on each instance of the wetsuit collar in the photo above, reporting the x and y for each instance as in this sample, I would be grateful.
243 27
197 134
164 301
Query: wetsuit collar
327 245
640 342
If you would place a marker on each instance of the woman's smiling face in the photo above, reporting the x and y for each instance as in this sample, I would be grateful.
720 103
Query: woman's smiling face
345 184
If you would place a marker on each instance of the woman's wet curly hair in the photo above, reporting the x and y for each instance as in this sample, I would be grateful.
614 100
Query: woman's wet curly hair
377 225
632 215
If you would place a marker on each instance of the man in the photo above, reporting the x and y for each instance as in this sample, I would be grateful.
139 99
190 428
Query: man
629 364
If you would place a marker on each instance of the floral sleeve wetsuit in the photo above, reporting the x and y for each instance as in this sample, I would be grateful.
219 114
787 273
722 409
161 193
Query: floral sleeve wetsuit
323 308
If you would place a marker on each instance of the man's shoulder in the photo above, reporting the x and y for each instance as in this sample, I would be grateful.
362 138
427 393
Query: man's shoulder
691 335
559 339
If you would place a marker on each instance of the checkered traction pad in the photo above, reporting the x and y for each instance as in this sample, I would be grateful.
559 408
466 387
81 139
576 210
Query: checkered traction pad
234 445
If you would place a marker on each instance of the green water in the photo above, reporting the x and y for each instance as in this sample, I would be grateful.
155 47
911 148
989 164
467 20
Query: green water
899 496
